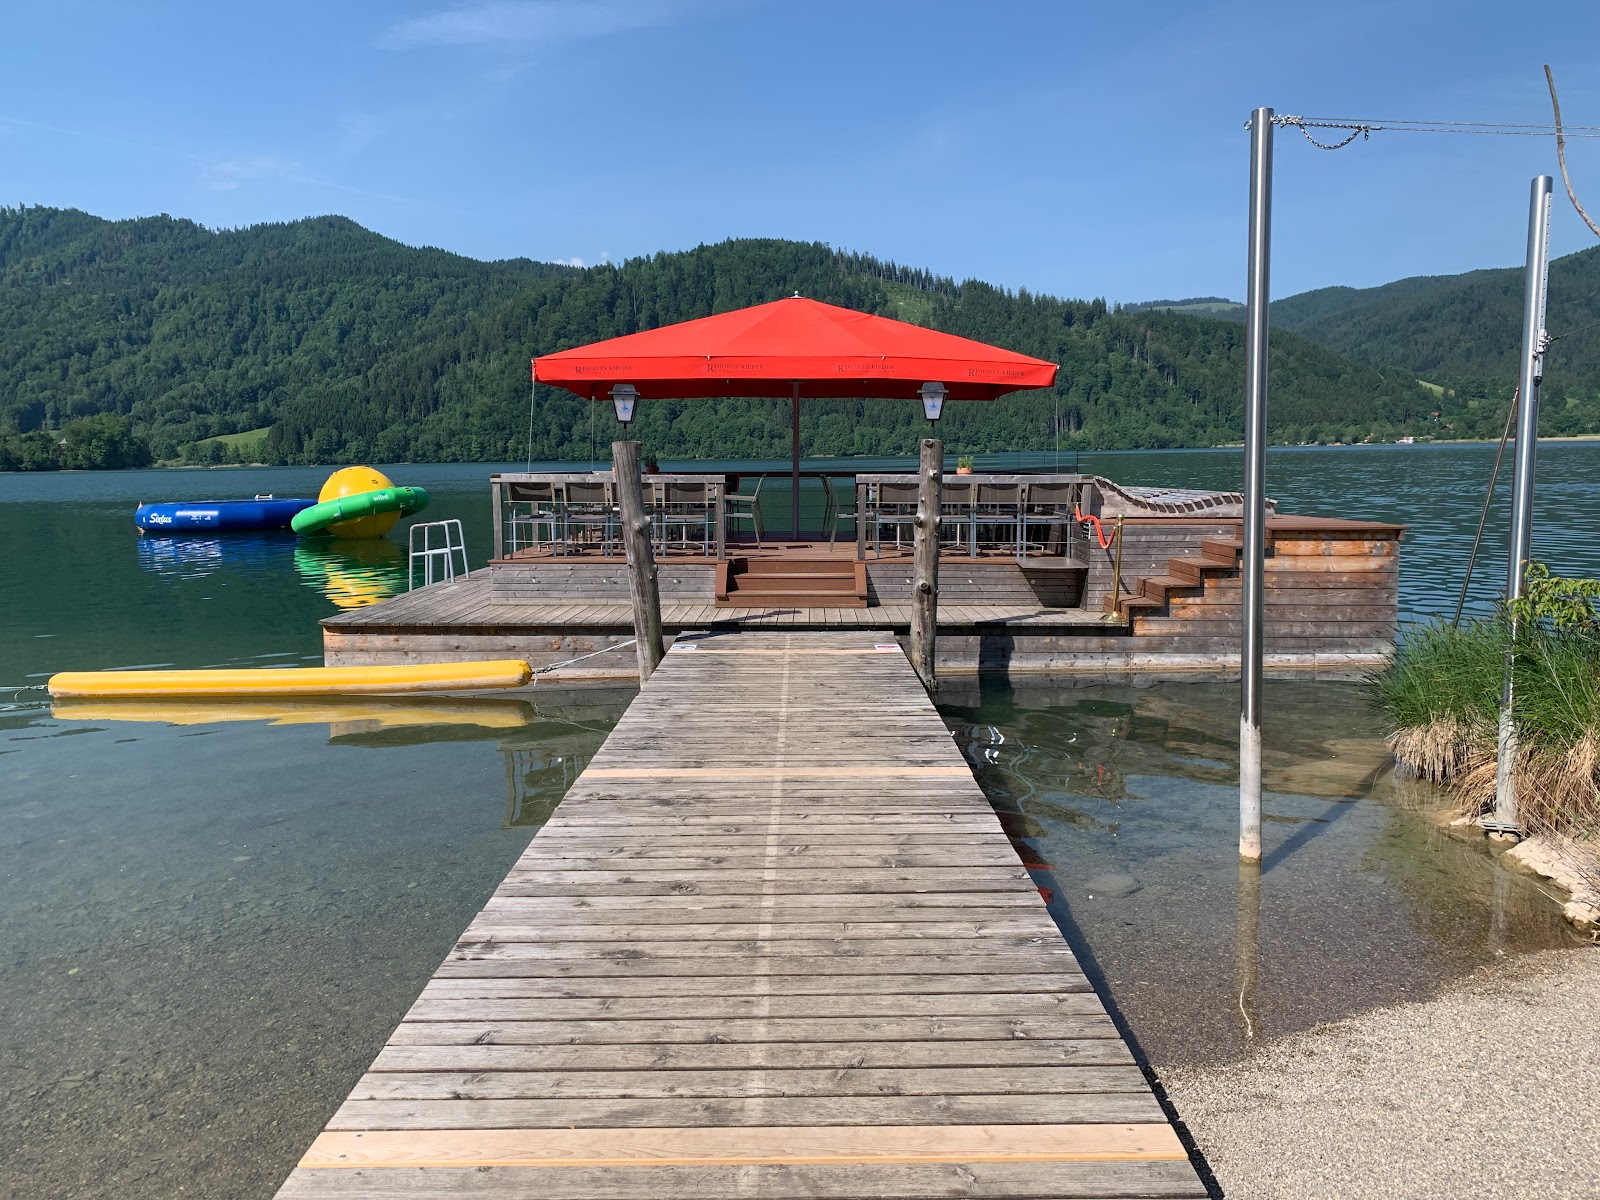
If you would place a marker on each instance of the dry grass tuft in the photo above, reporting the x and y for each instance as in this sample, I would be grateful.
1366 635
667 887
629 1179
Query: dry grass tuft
1443 750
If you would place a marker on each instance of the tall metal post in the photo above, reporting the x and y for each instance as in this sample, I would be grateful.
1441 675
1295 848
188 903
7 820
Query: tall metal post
1255 486
794 465
1520 545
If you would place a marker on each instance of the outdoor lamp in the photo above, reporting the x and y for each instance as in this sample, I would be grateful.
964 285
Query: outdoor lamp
623 397
932 400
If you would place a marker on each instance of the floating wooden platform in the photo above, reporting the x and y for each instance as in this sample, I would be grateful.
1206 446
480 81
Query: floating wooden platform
773 943
1167 602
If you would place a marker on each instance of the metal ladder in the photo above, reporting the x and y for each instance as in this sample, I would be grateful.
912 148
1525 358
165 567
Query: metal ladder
438 561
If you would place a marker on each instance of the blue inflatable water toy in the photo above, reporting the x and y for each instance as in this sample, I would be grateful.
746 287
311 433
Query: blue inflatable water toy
218 516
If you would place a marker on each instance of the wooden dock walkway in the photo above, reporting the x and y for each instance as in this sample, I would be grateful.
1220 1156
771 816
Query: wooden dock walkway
773 943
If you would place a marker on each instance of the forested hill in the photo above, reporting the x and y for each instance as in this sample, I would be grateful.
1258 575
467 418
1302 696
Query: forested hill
343 345
1462 332
1465 331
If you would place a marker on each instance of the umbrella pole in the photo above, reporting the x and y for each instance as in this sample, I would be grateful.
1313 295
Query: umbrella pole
794 465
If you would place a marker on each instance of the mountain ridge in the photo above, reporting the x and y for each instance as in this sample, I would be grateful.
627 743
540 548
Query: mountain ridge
346 345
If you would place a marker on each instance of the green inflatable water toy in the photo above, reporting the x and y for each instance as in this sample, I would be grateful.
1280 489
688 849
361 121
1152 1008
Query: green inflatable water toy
402 501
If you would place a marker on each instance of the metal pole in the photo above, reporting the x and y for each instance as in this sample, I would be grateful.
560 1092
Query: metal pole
1255 480
1520 547
794 466
1255 516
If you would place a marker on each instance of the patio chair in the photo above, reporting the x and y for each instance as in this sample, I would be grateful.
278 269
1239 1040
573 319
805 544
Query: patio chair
894 506
532 518
589 512
957 504
742 507
687 509
833 512
997 517
1047 508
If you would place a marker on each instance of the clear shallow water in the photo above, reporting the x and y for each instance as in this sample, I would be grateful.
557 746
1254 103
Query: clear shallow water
1125 800
214 920
211 927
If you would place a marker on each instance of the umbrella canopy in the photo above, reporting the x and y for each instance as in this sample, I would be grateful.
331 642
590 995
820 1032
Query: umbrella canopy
769 349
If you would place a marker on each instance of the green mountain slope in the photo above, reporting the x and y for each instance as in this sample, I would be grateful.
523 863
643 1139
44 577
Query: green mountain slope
346 345
1461 333
1465 331
1300 310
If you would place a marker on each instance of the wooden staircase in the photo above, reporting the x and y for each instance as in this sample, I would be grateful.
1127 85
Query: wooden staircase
1148 594
795 583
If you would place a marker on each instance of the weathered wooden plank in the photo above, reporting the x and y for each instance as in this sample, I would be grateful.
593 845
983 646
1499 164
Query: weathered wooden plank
999 1027
574 1112
665 1008
1161 1180
746 985
506 963
618 1147
650 1084
720 1056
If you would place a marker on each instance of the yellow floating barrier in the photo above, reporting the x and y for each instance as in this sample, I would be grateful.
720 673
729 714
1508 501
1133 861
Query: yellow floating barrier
295 681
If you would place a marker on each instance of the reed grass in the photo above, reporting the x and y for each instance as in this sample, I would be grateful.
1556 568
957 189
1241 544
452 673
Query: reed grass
1442 696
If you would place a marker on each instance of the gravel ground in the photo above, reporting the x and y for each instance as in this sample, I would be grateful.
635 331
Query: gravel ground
1490 1090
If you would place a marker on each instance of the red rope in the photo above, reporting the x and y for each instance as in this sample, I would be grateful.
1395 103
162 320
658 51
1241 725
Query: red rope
1099 530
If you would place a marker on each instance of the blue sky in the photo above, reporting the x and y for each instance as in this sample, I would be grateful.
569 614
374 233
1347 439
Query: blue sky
1071 148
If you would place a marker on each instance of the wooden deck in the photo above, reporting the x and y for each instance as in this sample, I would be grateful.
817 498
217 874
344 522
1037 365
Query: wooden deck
773 943
470 604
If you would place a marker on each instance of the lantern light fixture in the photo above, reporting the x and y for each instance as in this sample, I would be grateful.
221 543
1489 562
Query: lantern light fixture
623 398
933 395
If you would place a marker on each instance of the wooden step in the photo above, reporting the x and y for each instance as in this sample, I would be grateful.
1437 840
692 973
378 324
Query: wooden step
1157 587
1129 606
1224 549
841 565
742 599
1193 570
764 587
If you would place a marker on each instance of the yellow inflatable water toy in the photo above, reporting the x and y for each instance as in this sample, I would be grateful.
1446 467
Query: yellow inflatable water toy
359 502
497 674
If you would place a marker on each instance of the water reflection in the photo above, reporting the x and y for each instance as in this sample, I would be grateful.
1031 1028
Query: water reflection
1247 950
352 573
545 743
1124 801
198 557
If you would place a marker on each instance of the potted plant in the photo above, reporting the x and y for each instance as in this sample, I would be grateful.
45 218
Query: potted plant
964 465
651 466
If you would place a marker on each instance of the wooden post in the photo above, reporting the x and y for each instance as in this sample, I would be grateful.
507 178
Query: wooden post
500 520
641 562
925 599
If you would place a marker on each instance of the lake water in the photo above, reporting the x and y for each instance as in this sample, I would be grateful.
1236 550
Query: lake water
214 919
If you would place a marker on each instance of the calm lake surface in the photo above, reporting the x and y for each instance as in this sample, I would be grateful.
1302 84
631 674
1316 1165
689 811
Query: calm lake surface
214 917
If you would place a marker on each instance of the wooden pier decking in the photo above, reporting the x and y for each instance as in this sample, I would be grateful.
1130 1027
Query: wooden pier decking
773 943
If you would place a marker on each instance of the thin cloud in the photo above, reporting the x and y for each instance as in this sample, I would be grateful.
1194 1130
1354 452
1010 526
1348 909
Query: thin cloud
574 261
226 176
508 21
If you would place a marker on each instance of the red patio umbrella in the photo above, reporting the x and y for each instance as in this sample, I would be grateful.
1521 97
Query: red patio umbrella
794 348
